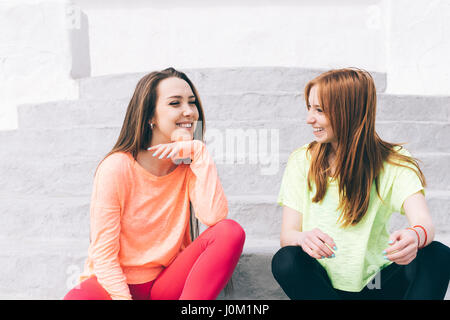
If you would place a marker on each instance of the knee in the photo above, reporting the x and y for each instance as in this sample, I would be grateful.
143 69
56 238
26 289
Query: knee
436 251
231 231
284 262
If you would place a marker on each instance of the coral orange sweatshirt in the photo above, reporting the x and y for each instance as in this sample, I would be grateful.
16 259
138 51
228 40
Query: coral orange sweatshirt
140 222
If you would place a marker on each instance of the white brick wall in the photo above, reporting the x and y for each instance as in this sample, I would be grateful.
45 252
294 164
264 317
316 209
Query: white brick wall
45 44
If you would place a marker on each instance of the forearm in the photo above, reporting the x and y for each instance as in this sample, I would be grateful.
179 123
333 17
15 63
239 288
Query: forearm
418 214
290 238
206 192
104 250
111 277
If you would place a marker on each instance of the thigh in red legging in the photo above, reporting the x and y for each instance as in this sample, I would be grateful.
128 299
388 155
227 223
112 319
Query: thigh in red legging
88 289
204 267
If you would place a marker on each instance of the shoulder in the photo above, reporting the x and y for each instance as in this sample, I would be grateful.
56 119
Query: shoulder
400 165
398 159
300 154
401 150
299 159
115 163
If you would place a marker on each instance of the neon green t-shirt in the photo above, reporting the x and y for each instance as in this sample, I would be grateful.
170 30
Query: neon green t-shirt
358 257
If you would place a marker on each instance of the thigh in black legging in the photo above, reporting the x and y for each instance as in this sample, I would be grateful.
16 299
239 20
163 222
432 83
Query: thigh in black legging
429 273
300 276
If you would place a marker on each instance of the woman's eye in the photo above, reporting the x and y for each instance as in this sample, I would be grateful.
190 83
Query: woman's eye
319 110
192 102
174 103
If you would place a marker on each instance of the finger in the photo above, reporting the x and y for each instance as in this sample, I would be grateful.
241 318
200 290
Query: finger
166 151
324 249
401 242
402 254
310 249
311 253
316 248
160 150
154 147
406 259
174 152
394 237
326 239
396 247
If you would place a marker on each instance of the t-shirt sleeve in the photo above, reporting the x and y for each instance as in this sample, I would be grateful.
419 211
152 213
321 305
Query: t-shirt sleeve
406 182
294 182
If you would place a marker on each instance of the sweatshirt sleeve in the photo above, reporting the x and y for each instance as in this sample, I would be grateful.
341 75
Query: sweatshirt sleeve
205 190
105 230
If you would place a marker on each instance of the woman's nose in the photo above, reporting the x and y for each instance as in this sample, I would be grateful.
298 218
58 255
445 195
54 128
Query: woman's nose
187 110
310 119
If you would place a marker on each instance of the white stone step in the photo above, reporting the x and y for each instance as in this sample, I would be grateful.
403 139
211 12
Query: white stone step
419 136
38 269
260 216
215 80
73 175
225 106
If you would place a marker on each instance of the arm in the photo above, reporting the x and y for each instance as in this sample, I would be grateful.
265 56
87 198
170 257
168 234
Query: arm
105 233
406 241
205 190
313 242
417 213
291 227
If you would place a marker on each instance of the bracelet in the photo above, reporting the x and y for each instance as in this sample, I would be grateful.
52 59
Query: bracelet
424 231
418 237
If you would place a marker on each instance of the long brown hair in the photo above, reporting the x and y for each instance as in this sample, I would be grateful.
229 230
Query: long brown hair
348 99
136 133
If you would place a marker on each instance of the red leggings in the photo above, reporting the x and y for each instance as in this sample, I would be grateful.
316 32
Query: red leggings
199 272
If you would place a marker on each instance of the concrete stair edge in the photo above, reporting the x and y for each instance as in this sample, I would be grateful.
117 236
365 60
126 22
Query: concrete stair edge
221 106
227 79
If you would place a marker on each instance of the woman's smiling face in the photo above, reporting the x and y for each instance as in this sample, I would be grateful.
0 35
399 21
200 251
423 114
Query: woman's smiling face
318 120
176 112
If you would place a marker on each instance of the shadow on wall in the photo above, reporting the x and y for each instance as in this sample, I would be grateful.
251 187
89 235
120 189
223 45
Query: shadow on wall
78 26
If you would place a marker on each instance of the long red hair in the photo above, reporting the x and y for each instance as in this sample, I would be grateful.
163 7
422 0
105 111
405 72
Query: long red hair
348 99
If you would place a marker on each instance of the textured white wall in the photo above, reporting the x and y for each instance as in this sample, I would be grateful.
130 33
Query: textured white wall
419 47
46 44
35 59
143 35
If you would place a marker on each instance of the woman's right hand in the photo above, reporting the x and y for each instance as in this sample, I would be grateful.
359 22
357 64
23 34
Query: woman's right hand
176 150
317 244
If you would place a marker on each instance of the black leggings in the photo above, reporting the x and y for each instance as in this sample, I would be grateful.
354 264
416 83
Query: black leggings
425 278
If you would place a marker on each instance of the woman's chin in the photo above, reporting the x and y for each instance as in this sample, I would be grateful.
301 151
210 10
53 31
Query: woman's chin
182 135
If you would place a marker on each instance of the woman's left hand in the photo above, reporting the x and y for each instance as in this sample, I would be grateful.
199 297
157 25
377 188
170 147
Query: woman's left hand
403 248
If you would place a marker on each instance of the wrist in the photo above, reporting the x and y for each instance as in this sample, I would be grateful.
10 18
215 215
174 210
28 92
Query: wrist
419 228
417 236
300 237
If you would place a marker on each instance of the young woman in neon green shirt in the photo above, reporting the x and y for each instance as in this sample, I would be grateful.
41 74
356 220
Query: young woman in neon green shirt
338 194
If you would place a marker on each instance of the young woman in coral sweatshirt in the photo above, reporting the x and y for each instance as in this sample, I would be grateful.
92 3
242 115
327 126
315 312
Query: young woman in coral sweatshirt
149 193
